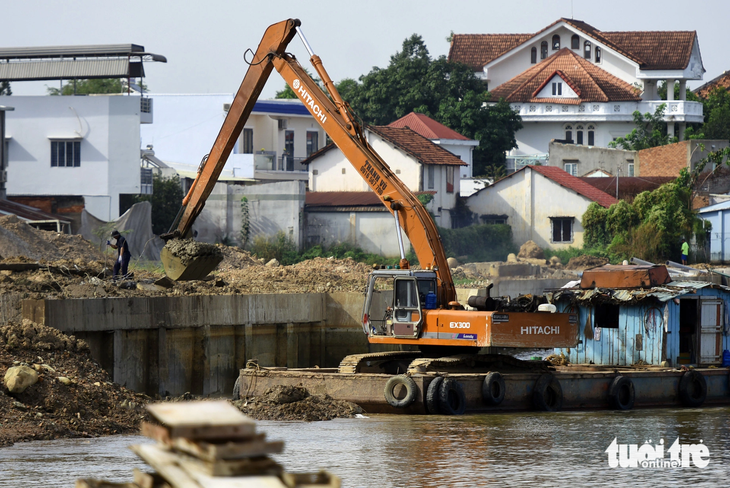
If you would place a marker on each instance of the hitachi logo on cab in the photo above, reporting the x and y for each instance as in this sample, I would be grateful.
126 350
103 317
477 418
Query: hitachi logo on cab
538 329
309 101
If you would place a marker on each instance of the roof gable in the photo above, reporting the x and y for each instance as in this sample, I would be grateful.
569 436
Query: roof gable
427 127
589 82
417 146
651 50
576 184
570 91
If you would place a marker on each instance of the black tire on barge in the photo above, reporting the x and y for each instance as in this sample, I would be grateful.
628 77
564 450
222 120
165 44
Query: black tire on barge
493 388
621 393
407 383
452 400
692 389
547 395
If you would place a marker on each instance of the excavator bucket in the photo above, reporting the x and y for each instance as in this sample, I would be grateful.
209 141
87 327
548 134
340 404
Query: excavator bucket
186 261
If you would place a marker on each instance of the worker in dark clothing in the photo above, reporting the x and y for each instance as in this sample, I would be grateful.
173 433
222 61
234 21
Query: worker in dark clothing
123 254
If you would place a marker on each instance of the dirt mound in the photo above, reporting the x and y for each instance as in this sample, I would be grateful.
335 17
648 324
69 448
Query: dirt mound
295 403
531 250
236 258
73 397
584 262
20 239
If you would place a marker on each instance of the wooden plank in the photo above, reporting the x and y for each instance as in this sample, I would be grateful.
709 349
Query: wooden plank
92 483
149 480
260 466
203 420
166 464
209 451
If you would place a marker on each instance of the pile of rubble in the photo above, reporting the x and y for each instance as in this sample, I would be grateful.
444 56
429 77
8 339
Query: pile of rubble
53 388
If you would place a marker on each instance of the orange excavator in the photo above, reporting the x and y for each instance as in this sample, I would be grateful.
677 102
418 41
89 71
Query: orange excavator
403 306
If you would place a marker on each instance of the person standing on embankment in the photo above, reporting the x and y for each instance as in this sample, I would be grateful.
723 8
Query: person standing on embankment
123 254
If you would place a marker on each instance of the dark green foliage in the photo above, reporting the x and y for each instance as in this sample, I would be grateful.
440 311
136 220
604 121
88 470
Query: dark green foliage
85 87
447 92
650 131
478 243
717 114
283 250
166 200
279 247
594 227
5 88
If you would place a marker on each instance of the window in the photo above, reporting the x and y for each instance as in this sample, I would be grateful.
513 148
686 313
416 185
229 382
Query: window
247 141
575 42
571 168
562 229
569 133
556 42
533 55
543 50
66 153
431 178
579 135
287 159
587 49
450 179
312 142
591 135
630 167
344 171
557 89
598 54
493 219
606 316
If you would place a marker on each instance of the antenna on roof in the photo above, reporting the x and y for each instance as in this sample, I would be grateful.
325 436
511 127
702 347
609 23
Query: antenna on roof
571 9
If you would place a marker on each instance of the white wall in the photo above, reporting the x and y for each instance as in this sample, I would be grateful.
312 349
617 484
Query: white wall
535 137
374 232
529 200
462 151
108 129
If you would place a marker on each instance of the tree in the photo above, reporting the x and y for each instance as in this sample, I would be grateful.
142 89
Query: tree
650 131
86 87
447 92
166 199
717 114
5 88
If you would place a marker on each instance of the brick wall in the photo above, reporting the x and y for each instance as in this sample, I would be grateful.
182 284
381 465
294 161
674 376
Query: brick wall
663 160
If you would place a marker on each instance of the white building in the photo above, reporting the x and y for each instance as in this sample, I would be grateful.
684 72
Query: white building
543 204
85 146
572 82
449 139
277 136
422 165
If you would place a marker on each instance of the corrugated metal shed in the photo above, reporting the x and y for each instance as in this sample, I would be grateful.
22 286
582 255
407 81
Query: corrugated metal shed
74 62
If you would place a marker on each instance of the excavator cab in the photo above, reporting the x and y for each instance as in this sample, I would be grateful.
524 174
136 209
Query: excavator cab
396 300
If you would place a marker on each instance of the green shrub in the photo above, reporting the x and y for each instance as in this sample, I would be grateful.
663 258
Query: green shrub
478 243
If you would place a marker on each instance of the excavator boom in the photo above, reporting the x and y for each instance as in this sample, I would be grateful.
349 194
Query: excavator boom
335 116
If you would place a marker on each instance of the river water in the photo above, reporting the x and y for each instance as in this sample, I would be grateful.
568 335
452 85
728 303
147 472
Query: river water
517 449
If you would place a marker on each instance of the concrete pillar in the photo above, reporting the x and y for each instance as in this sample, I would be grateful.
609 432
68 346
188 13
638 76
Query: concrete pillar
682 127
683 90
670 90
670 128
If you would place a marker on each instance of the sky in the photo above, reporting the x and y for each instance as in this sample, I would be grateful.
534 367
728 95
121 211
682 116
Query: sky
204 41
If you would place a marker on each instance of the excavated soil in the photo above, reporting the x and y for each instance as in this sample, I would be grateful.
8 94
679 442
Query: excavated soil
530 250
187 249
295 403
90 405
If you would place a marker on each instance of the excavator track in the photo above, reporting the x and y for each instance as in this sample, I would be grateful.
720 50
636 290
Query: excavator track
475 363
378 362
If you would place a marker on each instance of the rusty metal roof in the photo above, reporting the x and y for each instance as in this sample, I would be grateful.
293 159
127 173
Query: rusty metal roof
662 293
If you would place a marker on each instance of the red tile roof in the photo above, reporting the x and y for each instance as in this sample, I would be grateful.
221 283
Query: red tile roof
651 50
427 127
722 81
628 186
425 151
576 184
591 83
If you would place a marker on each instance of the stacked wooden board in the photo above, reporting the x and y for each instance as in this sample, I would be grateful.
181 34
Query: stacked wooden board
210 444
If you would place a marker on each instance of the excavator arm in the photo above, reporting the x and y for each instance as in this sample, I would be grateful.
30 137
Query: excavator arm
336 118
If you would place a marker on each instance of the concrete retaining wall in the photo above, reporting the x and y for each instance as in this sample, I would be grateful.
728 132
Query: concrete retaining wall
197 344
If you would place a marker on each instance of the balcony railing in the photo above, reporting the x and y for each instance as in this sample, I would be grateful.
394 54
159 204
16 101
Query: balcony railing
268 161
680 110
